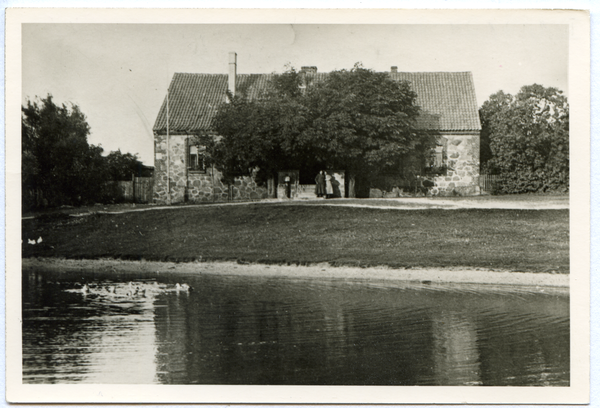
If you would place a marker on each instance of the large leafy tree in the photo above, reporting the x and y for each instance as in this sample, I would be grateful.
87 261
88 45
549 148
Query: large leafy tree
58 165
528 139
256 135
364 122
57 159
260 135
356 120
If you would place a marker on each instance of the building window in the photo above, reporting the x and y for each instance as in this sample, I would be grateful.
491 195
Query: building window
437 161
197 159
438 156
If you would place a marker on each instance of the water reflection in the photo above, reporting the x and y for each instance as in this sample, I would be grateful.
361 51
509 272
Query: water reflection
256 330
456 356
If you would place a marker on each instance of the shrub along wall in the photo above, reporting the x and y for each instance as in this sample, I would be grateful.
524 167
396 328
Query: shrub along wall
532 182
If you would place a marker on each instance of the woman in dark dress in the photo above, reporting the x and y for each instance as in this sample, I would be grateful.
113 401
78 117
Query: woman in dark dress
320 180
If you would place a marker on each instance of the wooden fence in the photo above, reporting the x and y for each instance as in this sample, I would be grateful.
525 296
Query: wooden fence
138 190
487 182
143 189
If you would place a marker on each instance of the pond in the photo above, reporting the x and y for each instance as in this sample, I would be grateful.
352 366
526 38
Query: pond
118 327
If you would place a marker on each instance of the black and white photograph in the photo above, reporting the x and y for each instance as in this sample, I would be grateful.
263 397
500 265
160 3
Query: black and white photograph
341 204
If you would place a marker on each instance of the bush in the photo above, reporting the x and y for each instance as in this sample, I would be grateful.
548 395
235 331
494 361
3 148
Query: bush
528 139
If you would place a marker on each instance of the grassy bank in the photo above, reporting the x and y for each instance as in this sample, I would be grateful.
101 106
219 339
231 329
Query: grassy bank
523 240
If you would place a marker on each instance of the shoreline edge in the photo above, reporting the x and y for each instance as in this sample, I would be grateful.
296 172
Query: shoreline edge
417 275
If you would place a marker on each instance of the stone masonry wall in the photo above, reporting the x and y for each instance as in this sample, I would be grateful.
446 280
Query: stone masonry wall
462 176
188 186
177 170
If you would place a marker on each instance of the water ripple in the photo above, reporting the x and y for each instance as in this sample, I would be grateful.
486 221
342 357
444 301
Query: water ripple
258 330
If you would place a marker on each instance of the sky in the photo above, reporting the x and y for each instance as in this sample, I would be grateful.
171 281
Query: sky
118 73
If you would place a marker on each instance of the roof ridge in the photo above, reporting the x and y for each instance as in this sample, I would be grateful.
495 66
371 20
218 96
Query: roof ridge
279 73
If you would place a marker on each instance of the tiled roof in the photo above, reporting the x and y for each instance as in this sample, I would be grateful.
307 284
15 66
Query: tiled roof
447 99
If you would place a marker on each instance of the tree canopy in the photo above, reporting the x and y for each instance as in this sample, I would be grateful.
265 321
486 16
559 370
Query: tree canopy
528 139
57 160
363 121
124 166
56 156
357 120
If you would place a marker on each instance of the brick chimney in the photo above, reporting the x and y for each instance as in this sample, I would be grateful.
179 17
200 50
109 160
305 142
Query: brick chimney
308 70
394 69
232 71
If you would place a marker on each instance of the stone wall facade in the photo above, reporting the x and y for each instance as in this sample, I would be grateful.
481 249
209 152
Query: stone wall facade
461 178
194 186
462 174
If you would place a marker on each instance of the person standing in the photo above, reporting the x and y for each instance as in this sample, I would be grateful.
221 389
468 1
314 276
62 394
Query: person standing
320 180
328 185
288 187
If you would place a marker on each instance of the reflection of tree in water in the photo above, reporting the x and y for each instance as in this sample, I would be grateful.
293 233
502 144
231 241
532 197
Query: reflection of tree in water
525 342
252 330
275 334
173 339
270 331
455 352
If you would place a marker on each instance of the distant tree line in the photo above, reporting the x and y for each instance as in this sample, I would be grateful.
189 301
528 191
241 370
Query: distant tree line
59 166
525 140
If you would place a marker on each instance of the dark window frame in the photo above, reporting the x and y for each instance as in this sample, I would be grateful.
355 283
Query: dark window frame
196 161
437 163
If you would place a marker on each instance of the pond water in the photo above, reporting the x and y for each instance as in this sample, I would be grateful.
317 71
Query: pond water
145 329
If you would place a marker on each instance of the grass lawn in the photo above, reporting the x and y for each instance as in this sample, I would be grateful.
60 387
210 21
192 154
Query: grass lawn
521 240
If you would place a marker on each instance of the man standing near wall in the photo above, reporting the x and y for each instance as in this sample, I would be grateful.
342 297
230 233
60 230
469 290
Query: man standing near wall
320 181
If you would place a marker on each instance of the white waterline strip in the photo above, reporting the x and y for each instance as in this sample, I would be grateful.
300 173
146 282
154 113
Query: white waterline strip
433 275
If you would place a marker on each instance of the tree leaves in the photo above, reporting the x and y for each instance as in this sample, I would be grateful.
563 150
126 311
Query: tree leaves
58 161
358 120
528 139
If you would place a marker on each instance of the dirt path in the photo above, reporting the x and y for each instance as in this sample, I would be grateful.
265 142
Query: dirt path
423 203
427 203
